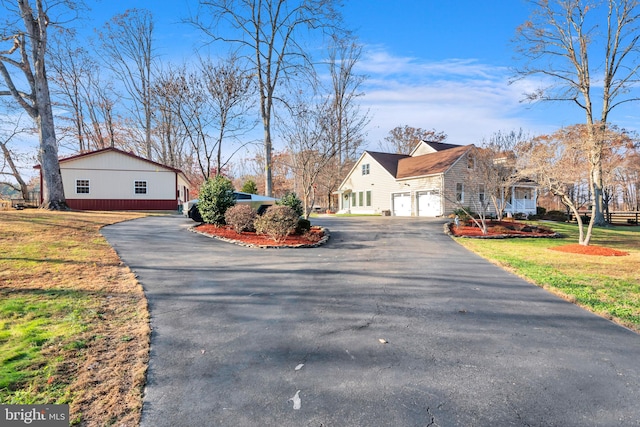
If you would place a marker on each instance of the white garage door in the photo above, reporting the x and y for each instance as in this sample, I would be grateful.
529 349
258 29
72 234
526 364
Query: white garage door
429 203
402 204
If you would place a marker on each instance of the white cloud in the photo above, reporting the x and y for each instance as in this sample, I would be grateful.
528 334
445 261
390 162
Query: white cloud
464 98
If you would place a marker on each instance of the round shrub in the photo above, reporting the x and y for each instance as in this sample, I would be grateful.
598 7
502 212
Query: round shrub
216 196
555 216
303 226
291 200
240 217
277 222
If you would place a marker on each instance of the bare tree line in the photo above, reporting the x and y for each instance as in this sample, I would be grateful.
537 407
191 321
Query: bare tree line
115 91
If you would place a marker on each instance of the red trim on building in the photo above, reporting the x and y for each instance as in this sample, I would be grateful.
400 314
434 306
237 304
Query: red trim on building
122 205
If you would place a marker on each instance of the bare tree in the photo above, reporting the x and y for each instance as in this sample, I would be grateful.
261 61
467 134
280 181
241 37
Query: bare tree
68 72
208 108
168 92
310 145
127 41
269 33
627 177
346 129
495 166
230 88
618 145
82 91
347 122
403 139
102 123
558 42
26 53
9 166
185 112
557 163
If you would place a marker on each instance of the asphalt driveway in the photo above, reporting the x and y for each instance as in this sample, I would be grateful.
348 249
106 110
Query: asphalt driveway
291 337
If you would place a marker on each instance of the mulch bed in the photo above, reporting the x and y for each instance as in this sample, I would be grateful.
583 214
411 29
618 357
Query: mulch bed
316 237
513 229
500 230
589 250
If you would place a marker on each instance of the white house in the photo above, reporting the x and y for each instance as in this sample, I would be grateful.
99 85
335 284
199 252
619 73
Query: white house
428 182
112 179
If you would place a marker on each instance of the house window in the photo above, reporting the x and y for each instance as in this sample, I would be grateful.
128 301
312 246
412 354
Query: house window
471 159
368 197
82 186
481 195
459 193
361 198
353 200
365 169
140 187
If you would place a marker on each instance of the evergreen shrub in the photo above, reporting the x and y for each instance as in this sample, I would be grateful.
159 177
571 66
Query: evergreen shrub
303 226
216 196
291 200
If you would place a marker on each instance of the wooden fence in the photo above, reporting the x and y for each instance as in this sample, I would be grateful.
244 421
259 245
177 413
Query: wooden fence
616 217
623 218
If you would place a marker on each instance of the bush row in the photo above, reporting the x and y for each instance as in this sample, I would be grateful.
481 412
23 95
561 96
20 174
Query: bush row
217 206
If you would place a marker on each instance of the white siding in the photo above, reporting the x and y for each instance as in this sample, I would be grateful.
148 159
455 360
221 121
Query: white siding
112 175
378 181
421 149
419 185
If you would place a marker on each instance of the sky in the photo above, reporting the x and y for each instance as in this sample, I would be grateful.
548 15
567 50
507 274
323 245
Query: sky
431 64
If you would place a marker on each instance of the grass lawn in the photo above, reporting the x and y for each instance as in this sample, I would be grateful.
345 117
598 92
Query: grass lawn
606 285
73 320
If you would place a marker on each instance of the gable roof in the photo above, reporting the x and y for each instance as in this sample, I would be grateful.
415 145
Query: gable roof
440 146
388 161
116 150
430 164
430 147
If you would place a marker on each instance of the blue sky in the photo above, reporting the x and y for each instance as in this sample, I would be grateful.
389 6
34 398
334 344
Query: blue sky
441 64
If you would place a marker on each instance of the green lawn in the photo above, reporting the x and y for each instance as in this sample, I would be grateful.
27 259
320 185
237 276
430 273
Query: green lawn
73 320
609 286
32 324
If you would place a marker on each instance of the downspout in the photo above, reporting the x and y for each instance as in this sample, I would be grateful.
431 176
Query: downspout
442 198
177 193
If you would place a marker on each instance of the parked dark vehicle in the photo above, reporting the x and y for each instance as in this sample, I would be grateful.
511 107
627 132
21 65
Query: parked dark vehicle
257 202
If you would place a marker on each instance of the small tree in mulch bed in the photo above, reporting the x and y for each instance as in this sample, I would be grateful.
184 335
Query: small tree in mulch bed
277 222
291 200
216 196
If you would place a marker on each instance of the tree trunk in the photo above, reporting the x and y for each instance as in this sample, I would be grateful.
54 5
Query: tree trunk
53 189
598 199
268 184
41 112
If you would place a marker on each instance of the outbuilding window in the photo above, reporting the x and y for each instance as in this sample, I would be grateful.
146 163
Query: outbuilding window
82 186
365 169
140 187
368 197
